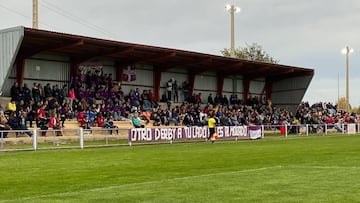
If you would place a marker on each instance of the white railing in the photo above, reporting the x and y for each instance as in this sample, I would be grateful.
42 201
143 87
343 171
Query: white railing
14 140
99 137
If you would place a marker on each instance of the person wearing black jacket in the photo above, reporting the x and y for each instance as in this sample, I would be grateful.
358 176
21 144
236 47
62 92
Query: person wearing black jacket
18 123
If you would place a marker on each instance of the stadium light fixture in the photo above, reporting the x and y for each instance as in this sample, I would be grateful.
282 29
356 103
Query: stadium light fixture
347 51
232 9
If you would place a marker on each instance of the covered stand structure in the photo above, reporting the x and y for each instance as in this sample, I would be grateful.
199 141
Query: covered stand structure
32 55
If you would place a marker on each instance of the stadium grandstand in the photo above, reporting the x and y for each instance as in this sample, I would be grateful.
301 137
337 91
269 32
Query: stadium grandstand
48 78
31 55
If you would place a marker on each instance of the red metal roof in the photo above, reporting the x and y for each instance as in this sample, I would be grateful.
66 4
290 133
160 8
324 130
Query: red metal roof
81 49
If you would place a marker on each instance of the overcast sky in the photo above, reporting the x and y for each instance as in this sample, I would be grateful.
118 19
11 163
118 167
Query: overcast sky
306 33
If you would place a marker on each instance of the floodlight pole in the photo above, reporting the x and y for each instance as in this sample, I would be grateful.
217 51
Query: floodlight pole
35 14
232 31
347 50
347 79
232 10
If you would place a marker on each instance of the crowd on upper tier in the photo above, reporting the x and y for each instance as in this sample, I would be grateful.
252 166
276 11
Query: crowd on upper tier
94 100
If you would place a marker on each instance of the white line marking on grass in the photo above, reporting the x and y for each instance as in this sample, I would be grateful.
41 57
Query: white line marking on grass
138 184
324 167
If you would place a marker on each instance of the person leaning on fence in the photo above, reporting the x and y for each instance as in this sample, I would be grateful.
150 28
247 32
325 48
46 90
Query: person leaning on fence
136 121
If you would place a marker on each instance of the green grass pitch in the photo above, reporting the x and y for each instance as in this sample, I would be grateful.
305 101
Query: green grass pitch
297 169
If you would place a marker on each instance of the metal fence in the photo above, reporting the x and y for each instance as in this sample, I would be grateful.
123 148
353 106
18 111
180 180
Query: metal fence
19 140
15 140
311 129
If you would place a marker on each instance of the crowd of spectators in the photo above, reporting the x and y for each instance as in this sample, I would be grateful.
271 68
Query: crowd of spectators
319 114
94 100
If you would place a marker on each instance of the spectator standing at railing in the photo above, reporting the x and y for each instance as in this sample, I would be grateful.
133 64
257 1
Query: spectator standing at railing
15 91
217 99
169 87
63 93
225 100
175 88
48 91
27 94
41 90
233 100
36 93
210 99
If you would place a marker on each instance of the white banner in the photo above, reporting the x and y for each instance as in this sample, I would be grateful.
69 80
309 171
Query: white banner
351 128
129 74
187 133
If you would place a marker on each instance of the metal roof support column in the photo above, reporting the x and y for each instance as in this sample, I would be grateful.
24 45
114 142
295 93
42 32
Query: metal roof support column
74 68
191 83
268 88
119 71
20 71
246 86
157 80
220 84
